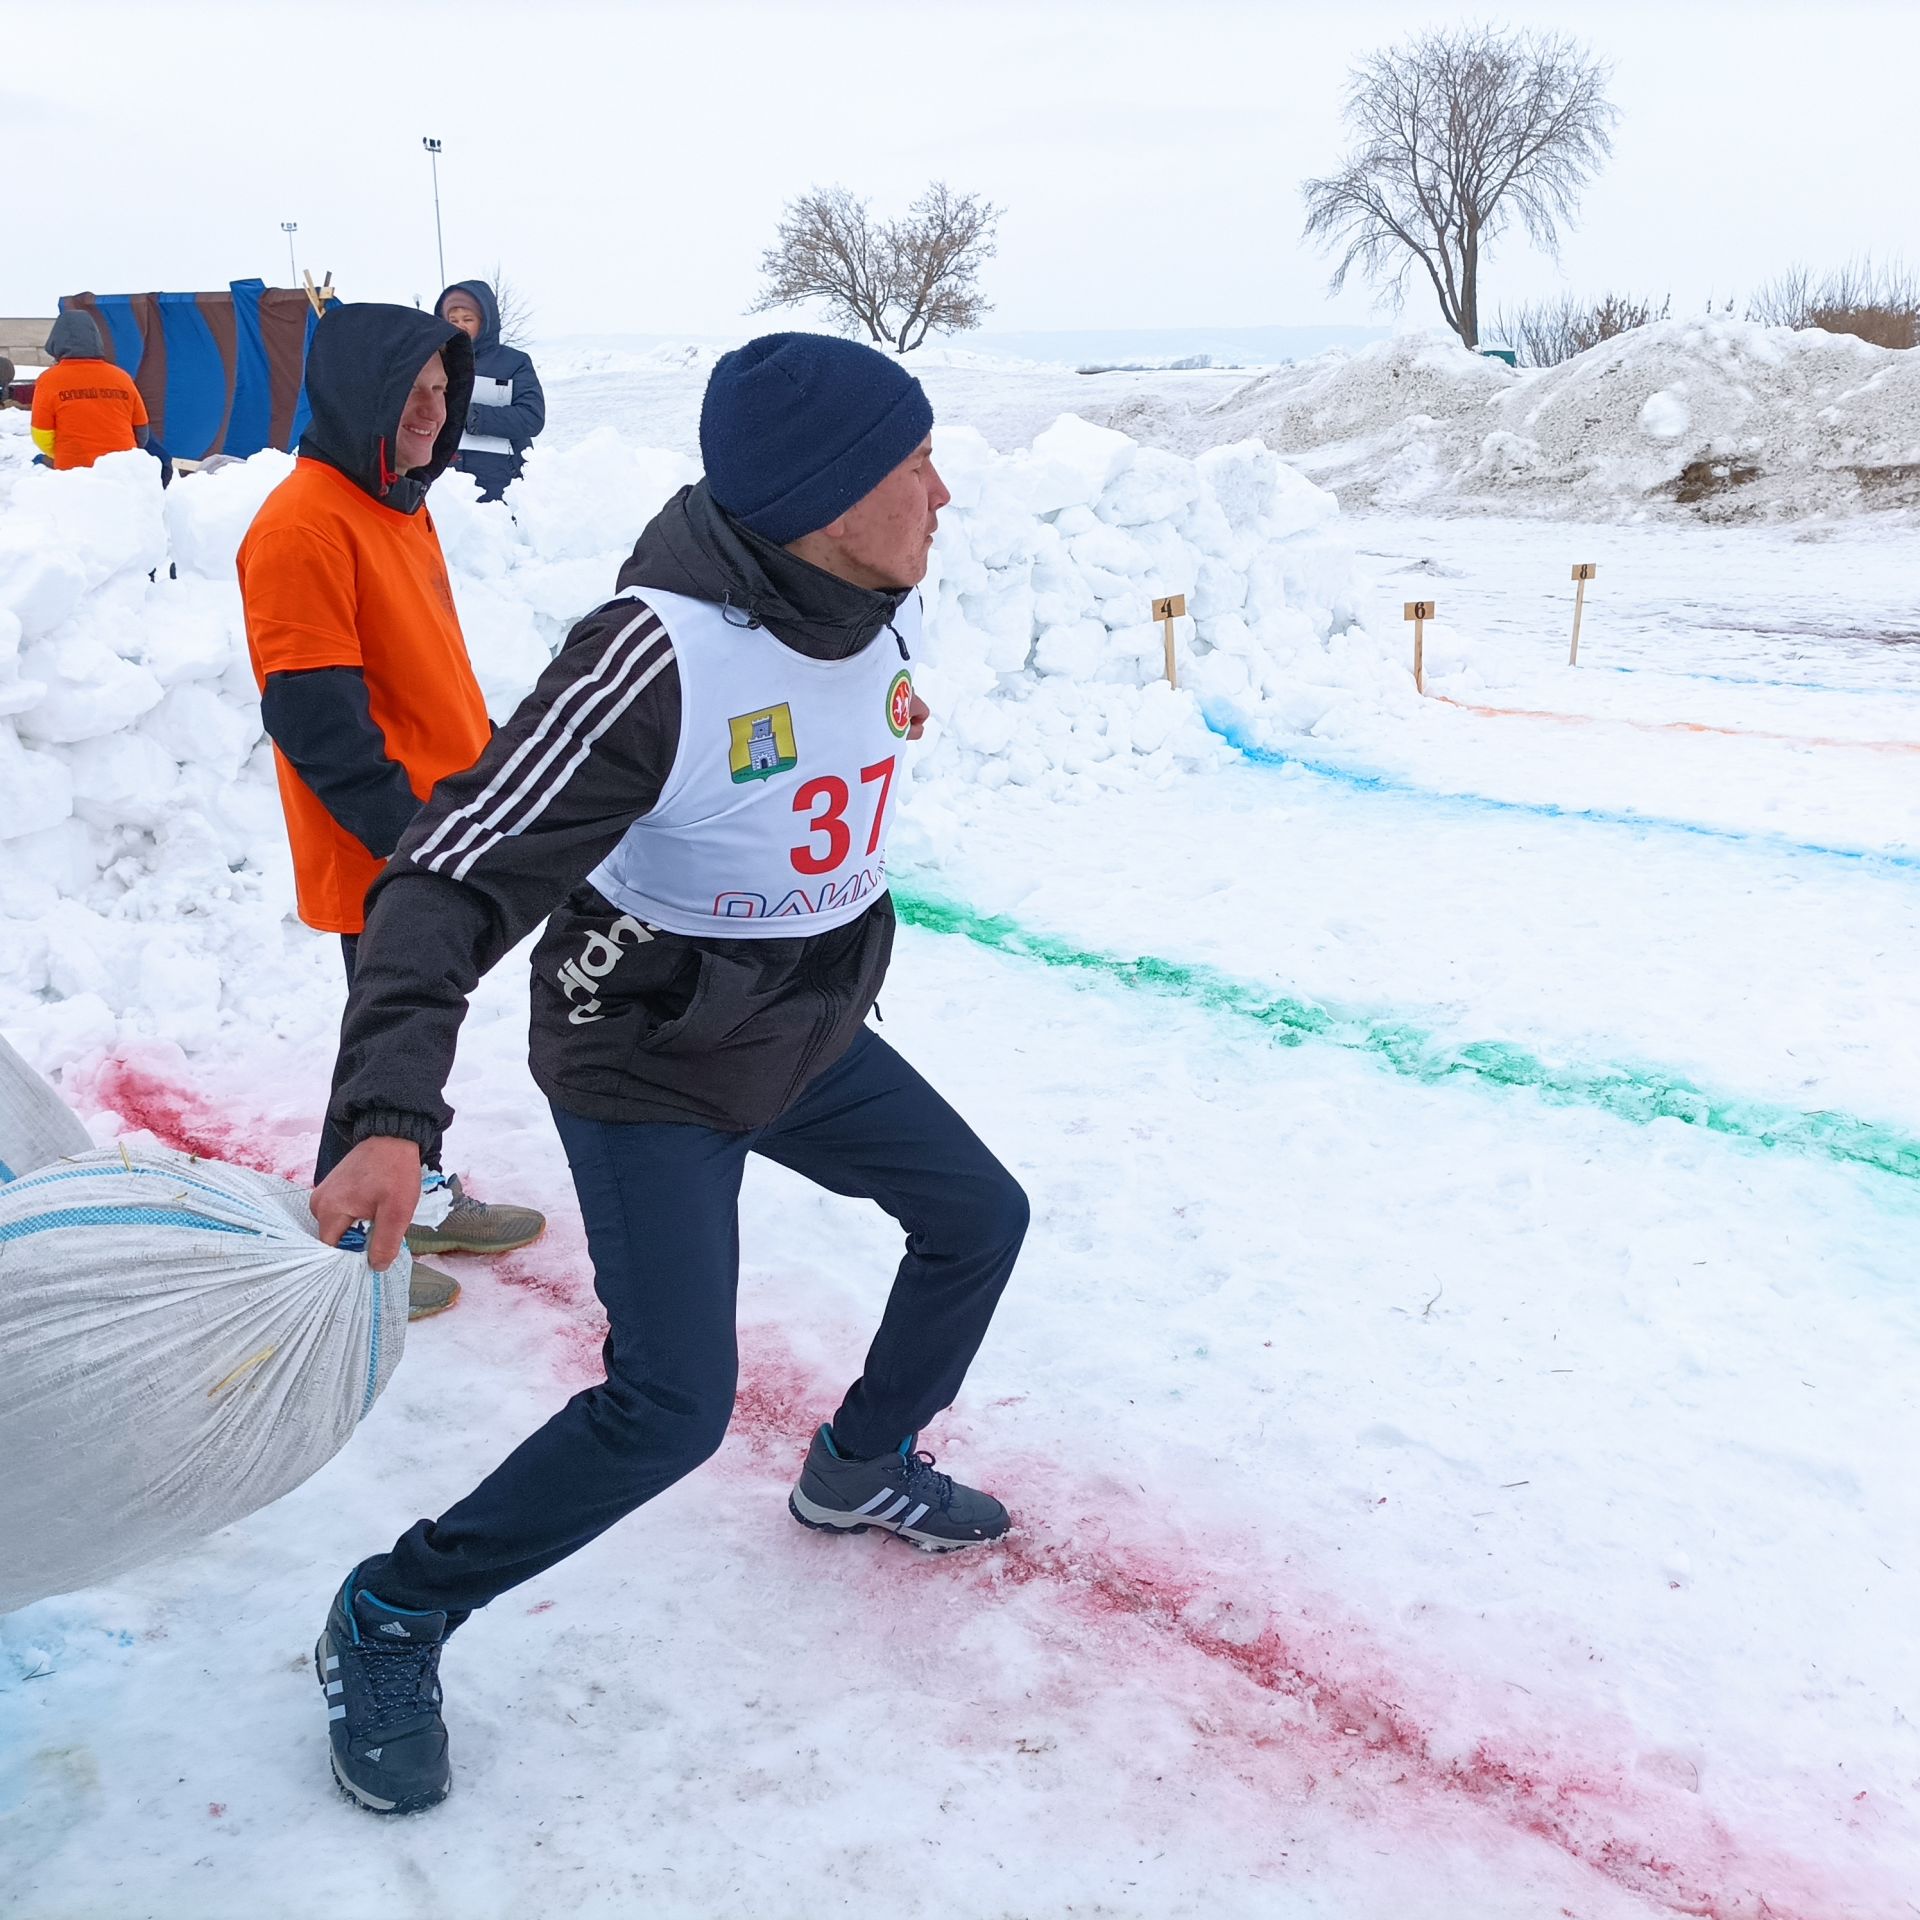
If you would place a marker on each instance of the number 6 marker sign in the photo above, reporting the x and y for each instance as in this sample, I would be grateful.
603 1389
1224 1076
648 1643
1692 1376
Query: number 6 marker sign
1419 612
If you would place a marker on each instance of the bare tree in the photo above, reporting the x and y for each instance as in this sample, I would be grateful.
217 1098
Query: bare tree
828 249
1454 133
898 279
938 252
516 310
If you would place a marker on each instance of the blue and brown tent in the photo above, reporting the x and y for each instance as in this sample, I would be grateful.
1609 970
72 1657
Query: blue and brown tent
220 372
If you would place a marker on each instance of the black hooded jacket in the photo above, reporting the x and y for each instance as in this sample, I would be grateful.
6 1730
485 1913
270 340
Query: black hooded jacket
707 1032
520 421
361 366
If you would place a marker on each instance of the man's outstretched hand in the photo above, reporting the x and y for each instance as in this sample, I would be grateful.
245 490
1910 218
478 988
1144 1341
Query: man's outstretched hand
918 714
378 1182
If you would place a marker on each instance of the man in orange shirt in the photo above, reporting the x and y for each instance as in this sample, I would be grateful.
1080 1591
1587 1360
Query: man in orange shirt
365 685
83 405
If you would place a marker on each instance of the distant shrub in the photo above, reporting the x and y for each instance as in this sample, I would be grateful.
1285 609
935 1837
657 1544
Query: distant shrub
1877 304
1550 331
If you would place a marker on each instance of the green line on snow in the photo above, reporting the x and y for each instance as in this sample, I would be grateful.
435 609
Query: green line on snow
1637 1094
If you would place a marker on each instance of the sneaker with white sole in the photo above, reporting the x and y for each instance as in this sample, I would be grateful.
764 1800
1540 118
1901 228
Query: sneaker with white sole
429 1291
898 1492
379 1667
475 1226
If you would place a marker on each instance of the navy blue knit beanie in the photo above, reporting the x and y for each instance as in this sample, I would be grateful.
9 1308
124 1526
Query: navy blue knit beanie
796 427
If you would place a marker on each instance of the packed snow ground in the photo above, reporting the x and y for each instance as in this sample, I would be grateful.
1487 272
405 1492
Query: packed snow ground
1432 1500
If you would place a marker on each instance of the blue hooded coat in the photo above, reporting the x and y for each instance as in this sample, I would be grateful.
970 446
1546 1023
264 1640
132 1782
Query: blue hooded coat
508 408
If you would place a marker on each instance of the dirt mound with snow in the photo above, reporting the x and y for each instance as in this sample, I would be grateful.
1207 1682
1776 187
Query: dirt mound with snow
1718 416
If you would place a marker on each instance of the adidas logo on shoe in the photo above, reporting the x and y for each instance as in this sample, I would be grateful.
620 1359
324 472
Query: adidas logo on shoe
899 1492
396 1629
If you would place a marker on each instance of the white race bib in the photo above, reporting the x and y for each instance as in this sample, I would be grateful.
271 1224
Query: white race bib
774 819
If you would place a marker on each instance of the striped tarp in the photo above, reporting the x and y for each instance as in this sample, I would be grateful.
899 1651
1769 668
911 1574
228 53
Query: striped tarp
220 372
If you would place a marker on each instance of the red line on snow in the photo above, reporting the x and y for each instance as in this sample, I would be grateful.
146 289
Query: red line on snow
1665 1849
1680 1858
1669 726
187 1121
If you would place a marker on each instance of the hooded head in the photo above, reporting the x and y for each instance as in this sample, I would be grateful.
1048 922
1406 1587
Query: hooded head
479 295
75 336
796 427
361 366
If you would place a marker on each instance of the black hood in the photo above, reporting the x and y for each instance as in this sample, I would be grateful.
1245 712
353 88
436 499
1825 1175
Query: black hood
361 365
481 295
694 546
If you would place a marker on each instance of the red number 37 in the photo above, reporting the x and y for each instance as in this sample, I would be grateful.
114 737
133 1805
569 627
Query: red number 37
826 800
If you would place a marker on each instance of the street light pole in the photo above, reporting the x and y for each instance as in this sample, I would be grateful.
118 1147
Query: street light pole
290 228
433 156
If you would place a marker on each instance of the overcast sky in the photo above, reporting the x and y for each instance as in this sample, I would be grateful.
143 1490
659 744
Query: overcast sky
627 163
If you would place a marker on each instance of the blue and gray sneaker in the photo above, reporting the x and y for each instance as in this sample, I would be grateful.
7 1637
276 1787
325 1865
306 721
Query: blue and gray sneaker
380 1668
898 1492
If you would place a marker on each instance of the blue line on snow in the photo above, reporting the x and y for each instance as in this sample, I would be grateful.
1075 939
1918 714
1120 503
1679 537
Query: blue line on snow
1365 782
1747 680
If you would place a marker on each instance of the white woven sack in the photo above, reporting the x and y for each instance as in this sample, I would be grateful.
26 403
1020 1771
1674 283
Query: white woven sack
36 1125
179 1350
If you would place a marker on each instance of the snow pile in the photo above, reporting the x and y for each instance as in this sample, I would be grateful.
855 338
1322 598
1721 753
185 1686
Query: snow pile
1721 414
1044 665
144 874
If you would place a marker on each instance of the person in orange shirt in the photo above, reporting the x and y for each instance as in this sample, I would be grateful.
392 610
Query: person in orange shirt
365 686
83 405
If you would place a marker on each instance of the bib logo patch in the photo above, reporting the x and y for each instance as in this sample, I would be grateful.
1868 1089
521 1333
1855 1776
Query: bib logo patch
762 744
899 705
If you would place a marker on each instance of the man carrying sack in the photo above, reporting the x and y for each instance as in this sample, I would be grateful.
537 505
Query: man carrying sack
699 792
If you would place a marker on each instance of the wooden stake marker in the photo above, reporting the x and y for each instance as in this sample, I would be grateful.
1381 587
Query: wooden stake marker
1167 611
1419 612
1582 574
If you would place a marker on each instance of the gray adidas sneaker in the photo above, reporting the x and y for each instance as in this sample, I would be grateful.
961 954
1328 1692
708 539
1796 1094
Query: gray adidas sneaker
899 1493
476 1226
429 1291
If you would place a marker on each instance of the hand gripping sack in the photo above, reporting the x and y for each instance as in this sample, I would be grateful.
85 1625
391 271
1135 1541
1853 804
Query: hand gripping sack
179 1349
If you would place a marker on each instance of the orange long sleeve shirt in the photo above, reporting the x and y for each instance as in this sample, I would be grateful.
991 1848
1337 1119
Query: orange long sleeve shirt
329 577
90 407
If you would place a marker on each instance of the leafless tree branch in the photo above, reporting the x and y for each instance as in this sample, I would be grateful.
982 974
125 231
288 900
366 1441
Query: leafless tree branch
1547 332
1455 134
1877 304
516 310
899 280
